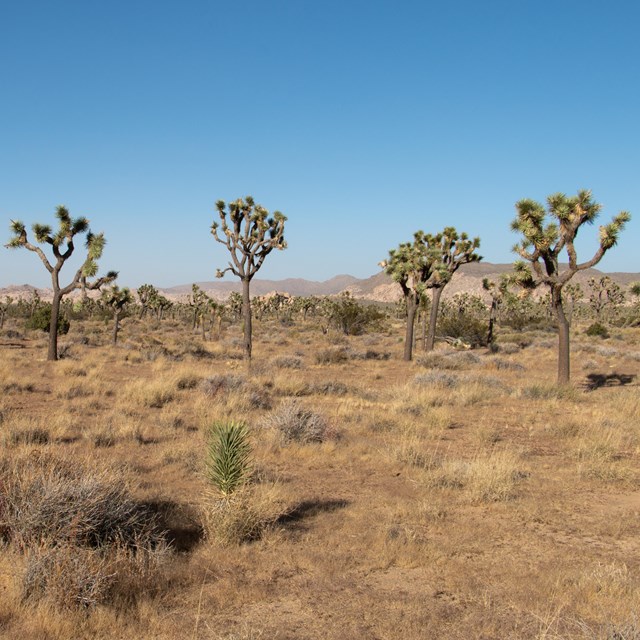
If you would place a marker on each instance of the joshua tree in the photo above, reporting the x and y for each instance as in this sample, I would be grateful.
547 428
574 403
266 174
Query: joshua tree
605 294
451 250
116 299
497 292
411 266
147 294
4 307
543 243
200 303
250 235
68 229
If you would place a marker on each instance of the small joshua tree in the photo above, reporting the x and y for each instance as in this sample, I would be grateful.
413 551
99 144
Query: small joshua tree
4 308
117 299
543 243
250 234
451 251
147 294
62 246
605 294
497 291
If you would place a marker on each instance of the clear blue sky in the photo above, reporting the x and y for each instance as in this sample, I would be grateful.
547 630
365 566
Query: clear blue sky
362 121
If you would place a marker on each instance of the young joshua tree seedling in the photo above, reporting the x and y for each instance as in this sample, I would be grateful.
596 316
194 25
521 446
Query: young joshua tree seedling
250 234
62 246
542 244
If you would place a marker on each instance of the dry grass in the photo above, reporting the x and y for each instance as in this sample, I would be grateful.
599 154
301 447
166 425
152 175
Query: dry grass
466 496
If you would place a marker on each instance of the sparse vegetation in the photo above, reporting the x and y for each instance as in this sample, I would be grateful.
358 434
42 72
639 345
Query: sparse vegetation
450 474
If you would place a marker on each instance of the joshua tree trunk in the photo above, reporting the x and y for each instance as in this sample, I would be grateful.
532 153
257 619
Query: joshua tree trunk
246 316
53 327
116 325
564 361
412 307
433 319
492 320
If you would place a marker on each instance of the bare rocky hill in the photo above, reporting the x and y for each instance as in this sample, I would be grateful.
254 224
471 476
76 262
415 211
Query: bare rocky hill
378 287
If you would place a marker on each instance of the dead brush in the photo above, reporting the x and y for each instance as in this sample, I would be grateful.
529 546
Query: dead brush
241 517
55 501
295 423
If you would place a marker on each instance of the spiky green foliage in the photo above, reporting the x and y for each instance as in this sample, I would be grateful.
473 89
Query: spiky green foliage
228 460
62 246
250 234
452 250
428 262
543 242
117 298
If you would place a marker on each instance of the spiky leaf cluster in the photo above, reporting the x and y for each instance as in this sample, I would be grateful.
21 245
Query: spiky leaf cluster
250 233
228 460
453 250
117 298
548 232
62 246
430 260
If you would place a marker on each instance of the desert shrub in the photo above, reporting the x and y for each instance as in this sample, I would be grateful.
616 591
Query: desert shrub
330 387
508 348
57 501
287 362
241 517
258 399
221 383
436 379
295 423
187 381
228 462
41 320
71 577
334 355
597 330
507 365
549 392
351 317
67 576
35 435
443 360
467 327
370 354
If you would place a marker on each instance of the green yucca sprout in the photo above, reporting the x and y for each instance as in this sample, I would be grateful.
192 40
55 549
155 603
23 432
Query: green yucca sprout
228 456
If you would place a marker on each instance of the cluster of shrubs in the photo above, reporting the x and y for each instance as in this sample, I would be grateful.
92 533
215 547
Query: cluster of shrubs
85 539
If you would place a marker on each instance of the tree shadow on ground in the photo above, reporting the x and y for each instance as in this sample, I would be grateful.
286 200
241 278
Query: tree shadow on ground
296 517
598 380
181 524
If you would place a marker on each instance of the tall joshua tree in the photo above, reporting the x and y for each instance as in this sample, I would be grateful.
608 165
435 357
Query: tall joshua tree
62 246
451 250
250 234
542 244
411 265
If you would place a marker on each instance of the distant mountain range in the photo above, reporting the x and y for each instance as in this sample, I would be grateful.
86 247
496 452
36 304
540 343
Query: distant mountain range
378 287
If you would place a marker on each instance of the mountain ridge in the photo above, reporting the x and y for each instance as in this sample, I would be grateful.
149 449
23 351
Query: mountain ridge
378 287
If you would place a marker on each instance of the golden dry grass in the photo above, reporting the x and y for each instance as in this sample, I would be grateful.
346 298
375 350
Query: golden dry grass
468 500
